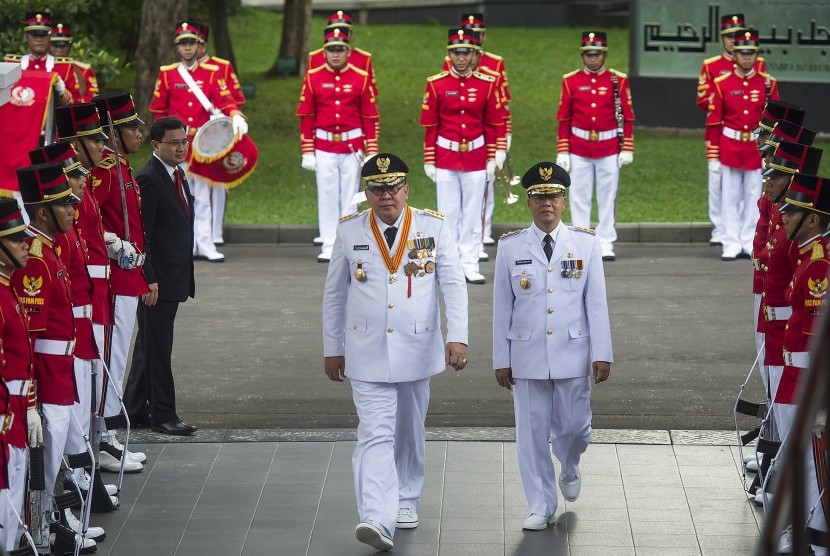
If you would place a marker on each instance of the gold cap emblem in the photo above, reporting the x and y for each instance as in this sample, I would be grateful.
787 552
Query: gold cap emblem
383 164
545 173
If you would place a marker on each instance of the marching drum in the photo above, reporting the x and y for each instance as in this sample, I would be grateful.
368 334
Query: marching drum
221 158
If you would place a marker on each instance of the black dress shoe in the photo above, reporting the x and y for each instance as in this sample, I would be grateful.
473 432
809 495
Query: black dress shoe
175 427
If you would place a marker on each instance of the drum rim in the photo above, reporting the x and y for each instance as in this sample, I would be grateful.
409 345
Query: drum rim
213 158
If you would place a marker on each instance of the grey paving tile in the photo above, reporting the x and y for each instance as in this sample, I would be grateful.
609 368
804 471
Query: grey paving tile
472 523
664 540
270 544
590 550
465 511
662 551
720 542
234 477
142 549
476 537
685 527
591 525
600 539
470 549
726 528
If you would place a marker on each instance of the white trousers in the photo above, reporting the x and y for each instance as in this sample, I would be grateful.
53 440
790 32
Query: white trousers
218 202
489 207
759 343
550 415
338 179
82 410
56 420
17 488
461 199
812 493
202 219
739 209
715 192
606 174
121 334
388 460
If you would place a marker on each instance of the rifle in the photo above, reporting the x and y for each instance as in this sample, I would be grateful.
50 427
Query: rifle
122 263
503 179
618 113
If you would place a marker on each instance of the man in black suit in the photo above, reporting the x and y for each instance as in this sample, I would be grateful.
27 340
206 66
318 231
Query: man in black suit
167 212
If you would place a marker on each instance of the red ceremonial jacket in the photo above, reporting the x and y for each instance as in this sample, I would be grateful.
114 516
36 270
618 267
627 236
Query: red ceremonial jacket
18 360
173 97
587 103
72 251
357 57
87 81
777 263
88 224
759 240
106 188
461 110
492 64
713 68
737 105
337 101
807 295
43 287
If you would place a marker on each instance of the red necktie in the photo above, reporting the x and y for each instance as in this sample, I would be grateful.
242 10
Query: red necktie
180 185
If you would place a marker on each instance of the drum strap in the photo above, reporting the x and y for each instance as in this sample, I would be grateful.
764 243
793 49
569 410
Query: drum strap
200 95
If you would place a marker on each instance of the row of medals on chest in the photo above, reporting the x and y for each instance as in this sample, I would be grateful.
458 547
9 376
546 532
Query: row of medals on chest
419 249
571 268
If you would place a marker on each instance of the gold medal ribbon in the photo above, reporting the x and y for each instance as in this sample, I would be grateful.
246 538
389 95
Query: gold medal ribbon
394 261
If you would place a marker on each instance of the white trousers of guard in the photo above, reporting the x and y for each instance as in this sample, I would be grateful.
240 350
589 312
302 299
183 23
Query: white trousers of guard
739 209
17 488
56 420
489 207
218 203
388 460
82 411
606 174
759 343
202 218
812 493
551 415
715 193
121 334
461 199
338 179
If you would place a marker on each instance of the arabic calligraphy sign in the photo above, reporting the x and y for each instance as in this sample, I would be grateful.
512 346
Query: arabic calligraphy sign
672 38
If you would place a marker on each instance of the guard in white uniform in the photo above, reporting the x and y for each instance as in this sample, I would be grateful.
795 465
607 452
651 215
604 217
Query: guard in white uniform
551 339
382 330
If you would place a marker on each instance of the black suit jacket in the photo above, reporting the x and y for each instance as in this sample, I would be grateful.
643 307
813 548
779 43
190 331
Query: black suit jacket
168 233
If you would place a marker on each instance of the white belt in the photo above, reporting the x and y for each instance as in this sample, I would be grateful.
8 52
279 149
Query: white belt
55 347
594 135
800 359
777 313
739 135
82 312
336 137
455 146
98 270
18 387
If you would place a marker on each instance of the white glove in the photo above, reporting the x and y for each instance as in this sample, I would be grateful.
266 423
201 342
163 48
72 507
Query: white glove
625 157
491 170
35 428
715 166
121 251
309 162
563 160
501 157
60 86
240 126
429 170
509 141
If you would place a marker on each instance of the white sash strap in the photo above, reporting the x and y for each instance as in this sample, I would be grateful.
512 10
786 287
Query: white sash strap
197 91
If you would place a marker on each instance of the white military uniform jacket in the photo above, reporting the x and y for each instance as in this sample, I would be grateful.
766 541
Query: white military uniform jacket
546 326
386 334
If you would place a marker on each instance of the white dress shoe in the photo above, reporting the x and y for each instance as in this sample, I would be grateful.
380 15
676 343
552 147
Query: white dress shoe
749 457
489 241
536 522
113 441
373 534
570 490
483 257
759 497
751 465
407 518
113 465
215 257
85 480
97 534
219 241
324 256
318 241
474 277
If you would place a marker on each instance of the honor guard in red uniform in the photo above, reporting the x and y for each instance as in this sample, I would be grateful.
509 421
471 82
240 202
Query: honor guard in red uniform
338 124
715 67
60 47
194 92
738 102
357 57
119 199
44 289
595 137
37 27
219 195
16 370
463 125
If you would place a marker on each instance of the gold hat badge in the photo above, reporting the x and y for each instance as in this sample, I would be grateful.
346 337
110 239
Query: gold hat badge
545 173
383 164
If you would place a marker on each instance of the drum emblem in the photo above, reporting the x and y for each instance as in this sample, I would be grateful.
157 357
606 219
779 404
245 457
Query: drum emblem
23 96
234 162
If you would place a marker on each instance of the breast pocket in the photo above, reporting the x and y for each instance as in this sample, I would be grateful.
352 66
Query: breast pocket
361 266
357 324
524 280
577 331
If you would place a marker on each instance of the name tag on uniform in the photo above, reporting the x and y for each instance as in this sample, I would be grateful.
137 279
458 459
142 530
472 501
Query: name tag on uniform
361 247
328 85
524 261
451 93
180 86
737 92
585 88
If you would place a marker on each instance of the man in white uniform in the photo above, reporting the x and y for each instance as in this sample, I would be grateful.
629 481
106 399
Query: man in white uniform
382 331
551 338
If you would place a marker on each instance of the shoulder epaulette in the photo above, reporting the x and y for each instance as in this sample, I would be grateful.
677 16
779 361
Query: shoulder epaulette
511 233
369 54
108 162
493 56
63 60
169 67
219 60
484 77
313 52
818 252
12 57
619 73
438 76
349 216
708 61
317 69
36 248
210 67
570 74
760 59
362 73
584 230
720 78
82 65
434 213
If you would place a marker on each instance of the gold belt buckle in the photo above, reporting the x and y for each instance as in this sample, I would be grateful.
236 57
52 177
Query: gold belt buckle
336 137
745 136
788 358
463 147
593 135
7 423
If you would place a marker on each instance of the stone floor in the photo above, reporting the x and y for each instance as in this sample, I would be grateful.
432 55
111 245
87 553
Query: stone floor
296 497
